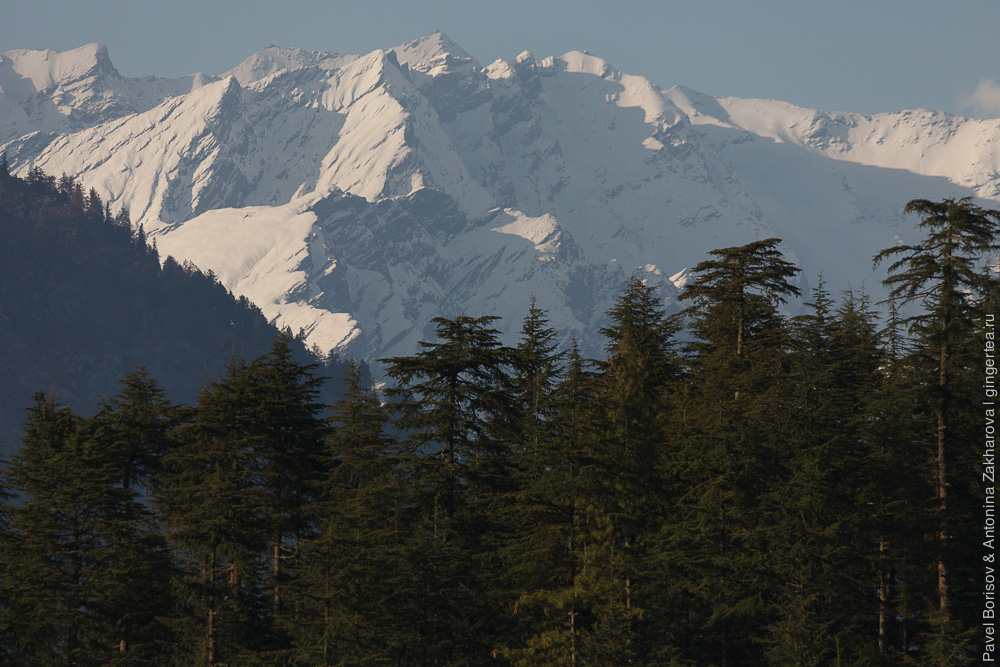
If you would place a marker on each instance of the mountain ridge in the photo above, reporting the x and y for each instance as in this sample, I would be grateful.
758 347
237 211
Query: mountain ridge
357 196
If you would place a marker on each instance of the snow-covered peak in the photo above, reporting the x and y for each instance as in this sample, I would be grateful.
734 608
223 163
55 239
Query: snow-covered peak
499 69
930 143
699 108
434 55
543 232
45 69
524 57
680 279
357 197
274 59
584 63
49 91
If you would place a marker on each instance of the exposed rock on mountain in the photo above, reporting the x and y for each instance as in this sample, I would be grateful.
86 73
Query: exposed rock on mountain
357 196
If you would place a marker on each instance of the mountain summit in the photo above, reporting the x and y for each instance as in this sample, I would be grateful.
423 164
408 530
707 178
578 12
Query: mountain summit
357 196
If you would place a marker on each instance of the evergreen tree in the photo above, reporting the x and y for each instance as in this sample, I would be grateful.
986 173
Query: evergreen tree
454 404
542 554
290 448
134 432
349 573
825 512
592 603
769 493
92 206
729 425
51 559
535 374
741 282
895 486
536 369
940 272
639 372
214 511
87 567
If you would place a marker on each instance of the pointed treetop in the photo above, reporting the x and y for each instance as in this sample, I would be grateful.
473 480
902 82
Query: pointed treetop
959 235
736 273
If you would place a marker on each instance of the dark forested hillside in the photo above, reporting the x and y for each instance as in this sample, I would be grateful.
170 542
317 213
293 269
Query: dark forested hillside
727 486
83 300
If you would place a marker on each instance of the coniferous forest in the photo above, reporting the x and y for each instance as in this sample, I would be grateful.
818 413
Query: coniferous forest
725 486
85 296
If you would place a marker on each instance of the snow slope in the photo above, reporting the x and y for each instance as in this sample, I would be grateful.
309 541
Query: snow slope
357 196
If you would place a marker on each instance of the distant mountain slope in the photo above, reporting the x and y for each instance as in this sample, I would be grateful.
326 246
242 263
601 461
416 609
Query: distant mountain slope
357 196
83 300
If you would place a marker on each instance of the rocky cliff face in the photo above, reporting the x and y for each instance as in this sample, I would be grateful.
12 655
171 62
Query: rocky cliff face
357 196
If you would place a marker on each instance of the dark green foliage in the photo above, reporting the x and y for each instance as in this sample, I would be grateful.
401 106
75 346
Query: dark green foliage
290 447
827 508
897 486
740 287
641 365
552 518
730 427
50 557
945 273
214 509
136 428
134 433
346 588
769 492
455 409
455 404
536 372
86 567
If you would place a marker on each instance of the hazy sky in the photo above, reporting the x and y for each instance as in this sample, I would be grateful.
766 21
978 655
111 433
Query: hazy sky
867 56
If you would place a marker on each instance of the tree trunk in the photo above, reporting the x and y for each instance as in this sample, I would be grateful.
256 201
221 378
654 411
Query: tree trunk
234 586
210 625
739 331
326 616
942 470
883 598
211 635
277 573
572 636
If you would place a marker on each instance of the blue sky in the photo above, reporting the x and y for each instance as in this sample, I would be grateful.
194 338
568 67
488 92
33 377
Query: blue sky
865 56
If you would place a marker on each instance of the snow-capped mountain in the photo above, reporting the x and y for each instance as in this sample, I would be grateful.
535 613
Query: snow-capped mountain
358 196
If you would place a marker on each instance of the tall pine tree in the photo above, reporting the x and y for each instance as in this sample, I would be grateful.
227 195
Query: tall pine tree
214 511
640 369
349 573
944 273
454 403
729 426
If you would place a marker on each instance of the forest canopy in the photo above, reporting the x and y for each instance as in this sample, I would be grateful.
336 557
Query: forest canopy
725 486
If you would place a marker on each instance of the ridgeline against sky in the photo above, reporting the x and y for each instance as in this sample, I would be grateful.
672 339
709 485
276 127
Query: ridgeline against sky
356 197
